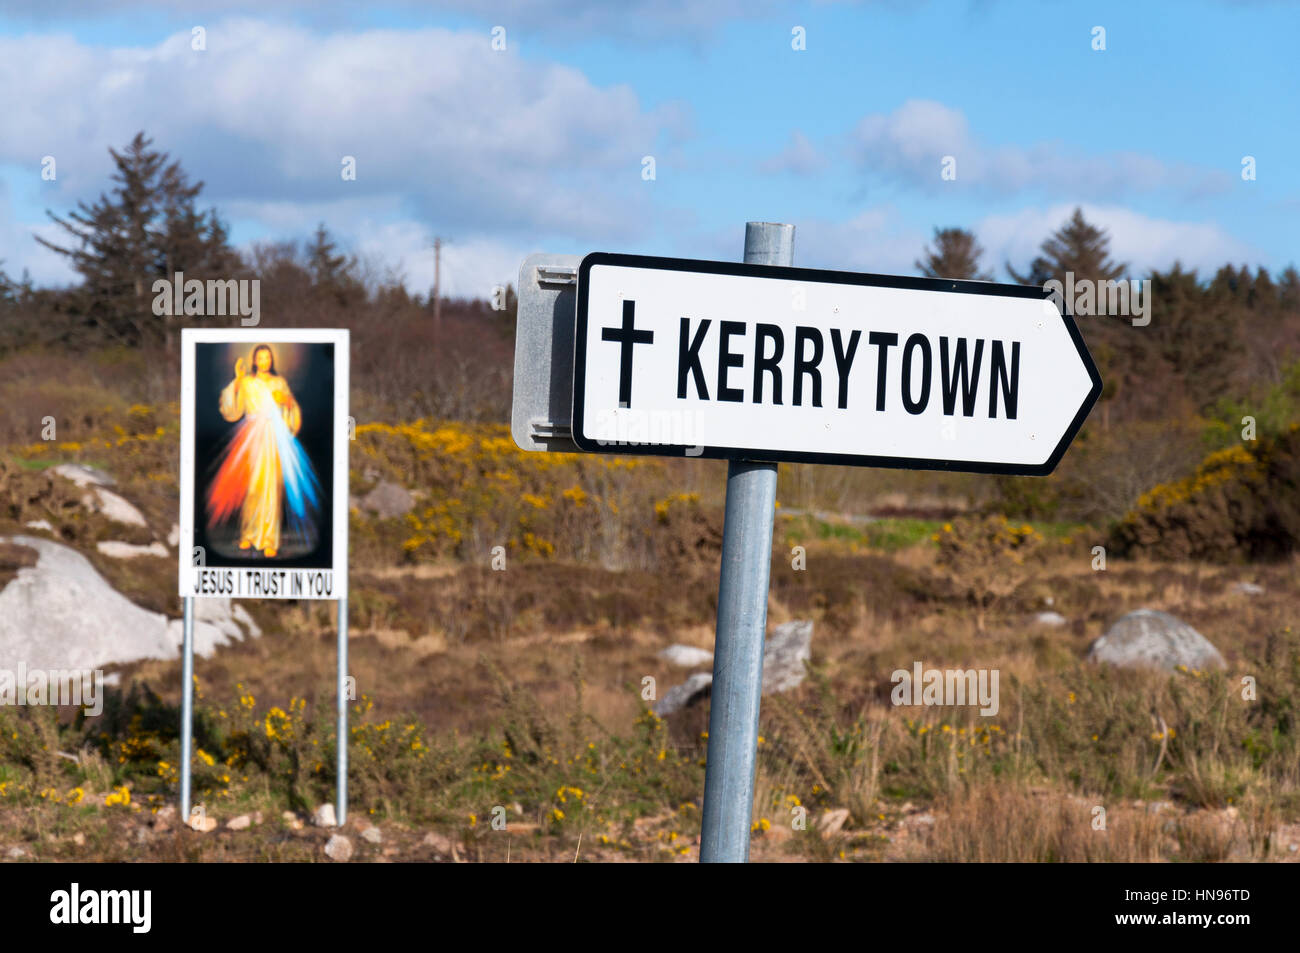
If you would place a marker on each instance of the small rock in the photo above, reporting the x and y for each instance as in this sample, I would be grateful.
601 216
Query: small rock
1247 588
388 500
83 475
372 835
113 507
241 823
293 820
15 853
203 824
338 848
1050 618
923 820
174 537
517 808
1293 848
439 843
832 821
39 524
785 654
79 839
687 656
163 819
681 696
1148 638
117 549
324 816
787 648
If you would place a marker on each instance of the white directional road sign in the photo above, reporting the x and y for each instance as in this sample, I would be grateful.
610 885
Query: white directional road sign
713 359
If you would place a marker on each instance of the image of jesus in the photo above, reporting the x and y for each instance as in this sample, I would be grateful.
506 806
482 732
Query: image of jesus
264 472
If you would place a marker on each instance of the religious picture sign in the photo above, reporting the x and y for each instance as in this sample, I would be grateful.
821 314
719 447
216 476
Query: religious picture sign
263 470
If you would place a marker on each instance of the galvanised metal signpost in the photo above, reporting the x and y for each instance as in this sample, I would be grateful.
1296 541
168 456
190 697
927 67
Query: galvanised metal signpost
761 362
742 622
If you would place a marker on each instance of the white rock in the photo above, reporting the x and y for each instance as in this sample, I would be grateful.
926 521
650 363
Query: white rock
338 848
324 816
439 842
787 648
15 853
833 821
388 500
685 694
1050 618
83 475
113 507
216 623
1149 638
119 550
785 654
203 824
1247 588
39 524
174 537
62 614
687 656
372 835
241 823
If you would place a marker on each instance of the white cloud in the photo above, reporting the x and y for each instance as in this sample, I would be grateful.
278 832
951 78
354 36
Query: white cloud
1145 243
799 157
910 144
663 20
447 134
19 249
876 240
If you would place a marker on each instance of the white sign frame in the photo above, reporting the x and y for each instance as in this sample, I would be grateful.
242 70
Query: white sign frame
1033 347
291 583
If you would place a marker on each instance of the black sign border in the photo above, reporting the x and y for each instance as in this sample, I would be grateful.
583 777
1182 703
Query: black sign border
737 269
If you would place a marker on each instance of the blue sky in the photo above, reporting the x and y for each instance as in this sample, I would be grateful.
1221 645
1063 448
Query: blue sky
540 147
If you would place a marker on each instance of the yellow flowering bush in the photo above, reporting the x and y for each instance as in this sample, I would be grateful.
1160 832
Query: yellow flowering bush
1241 502
476 490
987 557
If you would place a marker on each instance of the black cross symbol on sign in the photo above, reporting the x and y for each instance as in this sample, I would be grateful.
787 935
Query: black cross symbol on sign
626 337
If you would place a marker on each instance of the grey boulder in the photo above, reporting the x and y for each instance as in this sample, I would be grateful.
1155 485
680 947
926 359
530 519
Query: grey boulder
1149 638
62 614
786 651
388 500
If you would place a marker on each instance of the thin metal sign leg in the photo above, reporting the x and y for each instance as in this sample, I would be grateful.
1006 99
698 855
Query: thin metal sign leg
738 662
187 706
342 805
742 624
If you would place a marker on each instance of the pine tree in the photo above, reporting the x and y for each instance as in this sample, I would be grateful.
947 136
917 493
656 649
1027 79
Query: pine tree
331 273
956 254
146 228
1077 247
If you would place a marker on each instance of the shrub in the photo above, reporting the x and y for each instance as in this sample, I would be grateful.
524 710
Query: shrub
1240 503
987 557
